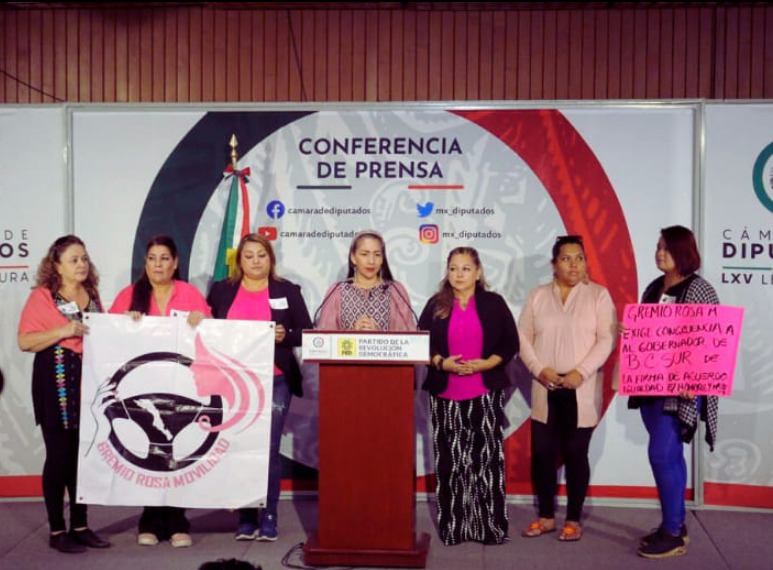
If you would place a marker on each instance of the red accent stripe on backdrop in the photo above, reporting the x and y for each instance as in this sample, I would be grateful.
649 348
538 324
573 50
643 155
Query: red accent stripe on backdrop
435 187
21 486
752 496
31 486
715 494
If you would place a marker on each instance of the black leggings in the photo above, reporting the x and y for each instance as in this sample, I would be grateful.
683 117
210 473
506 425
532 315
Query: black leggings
164 521
560 436
60 473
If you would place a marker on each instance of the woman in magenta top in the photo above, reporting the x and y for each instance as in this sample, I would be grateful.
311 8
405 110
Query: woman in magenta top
256 292
472 338
158 293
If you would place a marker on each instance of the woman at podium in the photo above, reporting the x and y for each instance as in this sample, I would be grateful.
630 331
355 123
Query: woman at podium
255 292
369 299
472 338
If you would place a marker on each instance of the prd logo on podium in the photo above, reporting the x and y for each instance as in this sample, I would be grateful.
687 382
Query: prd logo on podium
347 347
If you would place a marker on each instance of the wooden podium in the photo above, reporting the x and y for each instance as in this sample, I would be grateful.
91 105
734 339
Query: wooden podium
367 450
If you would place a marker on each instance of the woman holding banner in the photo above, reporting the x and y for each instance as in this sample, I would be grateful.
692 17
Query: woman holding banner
51 326
672 421
567 330
369 299
256 292
472 338
160 293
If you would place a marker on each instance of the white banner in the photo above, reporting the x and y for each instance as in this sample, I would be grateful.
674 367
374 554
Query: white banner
172 415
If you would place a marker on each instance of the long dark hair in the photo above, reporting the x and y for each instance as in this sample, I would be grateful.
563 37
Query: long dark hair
444 298
385 272
49 277
142 287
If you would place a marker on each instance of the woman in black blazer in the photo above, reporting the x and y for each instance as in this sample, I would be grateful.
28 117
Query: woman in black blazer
255 292
472 337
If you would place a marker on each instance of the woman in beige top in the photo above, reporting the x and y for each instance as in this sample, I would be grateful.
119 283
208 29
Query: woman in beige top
567 330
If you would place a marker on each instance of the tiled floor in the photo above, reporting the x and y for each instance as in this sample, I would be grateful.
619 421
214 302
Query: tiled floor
720 539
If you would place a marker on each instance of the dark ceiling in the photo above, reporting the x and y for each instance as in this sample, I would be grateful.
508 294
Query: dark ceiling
414 6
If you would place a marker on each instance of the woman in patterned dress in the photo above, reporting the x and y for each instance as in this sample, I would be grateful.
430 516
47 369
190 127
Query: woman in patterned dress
369 299
472 338
51 327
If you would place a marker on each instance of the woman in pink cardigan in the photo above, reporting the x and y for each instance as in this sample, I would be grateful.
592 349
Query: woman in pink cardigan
567 330
51 326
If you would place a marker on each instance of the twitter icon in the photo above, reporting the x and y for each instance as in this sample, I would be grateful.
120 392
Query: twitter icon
425 210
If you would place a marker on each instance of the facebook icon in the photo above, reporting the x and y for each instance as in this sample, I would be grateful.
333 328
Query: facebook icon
275 209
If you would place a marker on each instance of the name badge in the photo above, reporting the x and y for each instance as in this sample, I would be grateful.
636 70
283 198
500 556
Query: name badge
70 308
179 314
667 298
280 303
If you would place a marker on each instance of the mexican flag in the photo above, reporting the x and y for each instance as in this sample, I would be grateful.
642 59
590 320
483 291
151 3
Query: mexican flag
236 223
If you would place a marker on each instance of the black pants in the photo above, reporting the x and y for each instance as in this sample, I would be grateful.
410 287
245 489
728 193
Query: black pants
60 473
164 521
560 437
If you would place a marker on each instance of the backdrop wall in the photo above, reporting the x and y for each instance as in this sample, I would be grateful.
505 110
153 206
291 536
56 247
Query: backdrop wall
504 179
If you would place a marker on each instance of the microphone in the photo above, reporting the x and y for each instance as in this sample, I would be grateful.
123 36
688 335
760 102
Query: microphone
406 301
327 297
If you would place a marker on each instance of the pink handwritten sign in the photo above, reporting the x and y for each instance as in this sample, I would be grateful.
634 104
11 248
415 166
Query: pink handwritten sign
668 349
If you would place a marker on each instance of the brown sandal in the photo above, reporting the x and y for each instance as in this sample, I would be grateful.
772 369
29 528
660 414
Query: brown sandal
537 528
570 532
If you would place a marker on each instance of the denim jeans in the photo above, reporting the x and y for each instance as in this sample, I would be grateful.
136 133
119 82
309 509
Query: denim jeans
280 404
666 455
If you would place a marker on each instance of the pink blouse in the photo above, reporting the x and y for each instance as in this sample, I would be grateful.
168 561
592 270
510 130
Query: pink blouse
579 333
252 306
465 337
185 297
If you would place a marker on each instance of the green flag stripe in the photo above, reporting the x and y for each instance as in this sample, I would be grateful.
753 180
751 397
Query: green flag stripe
227 234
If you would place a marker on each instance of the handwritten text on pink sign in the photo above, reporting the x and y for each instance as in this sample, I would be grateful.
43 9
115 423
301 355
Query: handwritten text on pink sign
668 349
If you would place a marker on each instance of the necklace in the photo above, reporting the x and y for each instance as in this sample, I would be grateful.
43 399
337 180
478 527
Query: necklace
75 298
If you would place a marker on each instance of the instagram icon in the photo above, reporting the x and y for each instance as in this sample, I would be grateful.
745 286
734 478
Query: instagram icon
429 233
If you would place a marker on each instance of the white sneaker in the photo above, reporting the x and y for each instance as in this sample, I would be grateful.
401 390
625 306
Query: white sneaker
147 539
181 540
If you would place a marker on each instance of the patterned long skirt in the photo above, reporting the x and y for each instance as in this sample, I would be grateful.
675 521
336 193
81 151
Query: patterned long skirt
470 468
